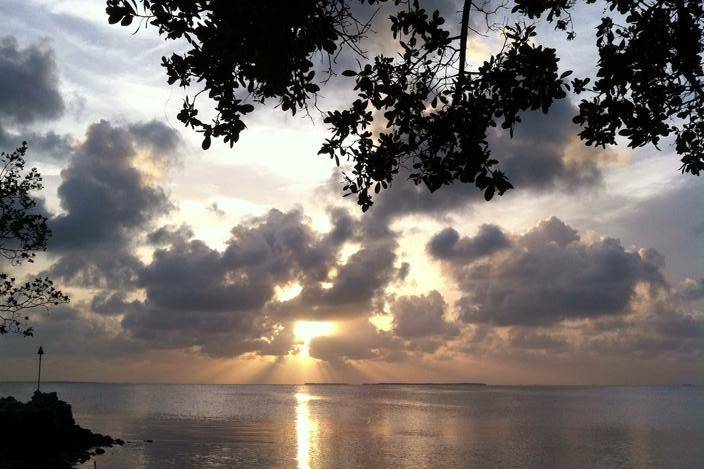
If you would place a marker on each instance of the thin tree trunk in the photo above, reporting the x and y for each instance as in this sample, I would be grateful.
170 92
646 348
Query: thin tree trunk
463 48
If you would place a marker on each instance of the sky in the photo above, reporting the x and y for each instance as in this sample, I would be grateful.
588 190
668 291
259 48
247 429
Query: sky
246 265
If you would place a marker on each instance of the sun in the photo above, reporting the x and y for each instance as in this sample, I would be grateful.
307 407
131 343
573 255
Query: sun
305 331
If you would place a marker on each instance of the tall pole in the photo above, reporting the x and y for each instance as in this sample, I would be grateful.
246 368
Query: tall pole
463 48
40 352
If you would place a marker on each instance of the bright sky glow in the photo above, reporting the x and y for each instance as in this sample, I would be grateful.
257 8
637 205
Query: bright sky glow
305 331
258 237
288 292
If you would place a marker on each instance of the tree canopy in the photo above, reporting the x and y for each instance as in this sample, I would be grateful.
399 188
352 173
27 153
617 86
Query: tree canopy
422 108
23 232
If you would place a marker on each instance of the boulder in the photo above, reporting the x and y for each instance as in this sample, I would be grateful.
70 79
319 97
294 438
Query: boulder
42 433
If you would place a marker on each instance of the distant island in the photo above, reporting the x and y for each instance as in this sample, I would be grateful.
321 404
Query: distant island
392 383
424 384
325 384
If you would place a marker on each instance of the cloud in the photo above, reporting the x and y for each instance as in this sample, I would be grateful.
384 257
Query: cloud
692 289
103 192
110 304
531 340
161 140
550 275
30 93
71 332
654 327
419 326
654 331
448 246
666 214
544 155
358 340
356 286
545 152
422 316
30 83
97 267
224 302
108 200
42 146
360 281
170 235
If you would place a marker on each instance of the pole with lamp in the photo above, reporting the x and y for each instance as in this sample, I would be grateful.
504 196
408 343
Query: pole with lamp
40 352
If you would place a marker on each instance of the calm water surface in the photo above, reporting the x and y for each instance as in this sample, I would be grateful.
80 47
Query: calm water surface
314 427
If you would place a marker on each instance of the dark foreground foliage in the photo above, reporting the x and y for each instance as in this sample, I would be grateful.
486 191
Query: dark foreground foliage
23 233
43 434
422 108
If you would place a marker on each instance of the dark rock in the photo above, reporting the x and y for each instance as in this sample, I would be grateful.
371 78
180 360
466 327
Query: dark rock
43 434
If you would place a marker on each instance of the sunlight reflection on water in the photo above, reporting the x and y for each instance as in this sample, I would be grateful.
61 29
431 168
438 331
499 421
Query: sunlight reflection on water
305 428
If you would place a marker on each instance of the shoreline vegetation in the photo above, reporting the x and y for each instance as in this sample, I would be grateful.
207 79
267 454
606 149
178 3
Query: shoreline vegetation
42 433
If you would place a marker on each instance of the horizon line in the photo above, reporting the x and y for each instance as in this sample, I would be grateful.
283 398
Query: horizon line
342 383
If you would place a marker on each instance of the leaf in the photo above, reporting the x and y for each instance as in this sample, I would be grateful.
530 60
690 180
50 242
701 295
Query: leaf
489 193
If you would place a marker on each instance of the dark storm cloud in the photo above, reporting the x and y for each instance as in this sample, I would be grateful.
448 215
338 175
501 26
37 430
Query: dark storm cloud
170 235
544 155
224 302
447 245
359 281
552 230
211 332
66 331
103 191
30 83
664 332
679 325
537 156
42 146
422 316
110 304
99 267
406 198
108 202
196 277
357 286
29 92
161 140
343 225
651 329
420 322
549 275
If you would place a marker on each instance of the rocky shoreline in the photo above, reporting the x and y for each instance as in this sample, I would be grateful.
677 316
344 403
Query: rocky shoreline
42 433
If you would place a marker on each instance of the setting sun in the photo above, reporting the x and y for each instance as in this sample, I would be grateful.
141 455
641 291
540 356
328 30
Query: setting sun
305 331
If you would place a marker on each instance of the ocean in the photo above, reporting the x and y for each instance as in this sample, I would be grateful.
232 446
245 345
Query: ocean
388 426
